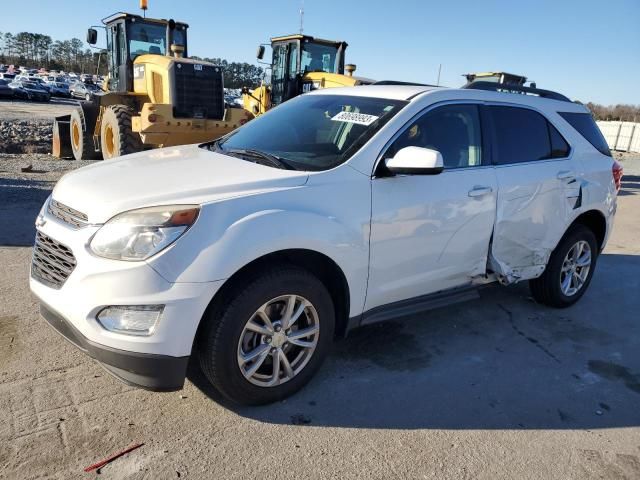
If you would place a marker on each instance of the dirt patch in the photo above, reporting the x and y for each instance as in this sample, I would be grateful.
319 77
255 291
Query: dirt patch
8 338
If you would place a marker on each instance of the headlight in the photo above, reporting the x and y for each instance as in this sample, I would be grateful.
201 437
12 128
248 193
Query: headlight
139 234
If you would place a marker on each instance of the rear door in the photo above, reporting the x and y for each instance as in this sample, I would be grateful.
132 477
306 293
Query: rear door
537 188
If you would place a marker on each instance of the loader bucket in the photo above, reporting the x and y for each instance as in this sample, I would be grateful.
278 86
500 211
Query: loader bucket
61 145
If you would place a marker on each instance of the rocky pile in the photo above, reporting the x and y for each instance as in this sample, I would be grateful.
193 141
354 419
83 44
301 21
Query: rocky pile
25 136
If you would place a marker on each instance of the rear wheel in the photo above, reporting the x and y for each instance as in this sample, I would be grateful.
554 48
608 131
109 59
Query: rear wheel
569 270
116 136
81 140
267 339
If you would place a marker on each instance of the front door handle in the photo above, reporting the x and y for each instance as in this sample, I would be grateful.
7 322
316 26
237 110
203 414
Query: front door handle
479 191
565 175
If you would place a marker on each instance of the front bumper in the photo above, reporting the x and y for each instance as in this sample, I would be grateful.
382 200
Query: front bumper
157 361
149 371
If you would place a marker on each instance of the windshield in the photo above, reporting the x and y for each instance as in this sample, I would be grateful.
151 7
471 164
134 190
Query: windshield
314 132
319 58
147 38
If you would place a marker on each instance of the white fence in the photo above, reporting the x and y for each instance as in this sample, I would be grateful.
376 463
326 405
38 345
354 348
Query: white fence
621 136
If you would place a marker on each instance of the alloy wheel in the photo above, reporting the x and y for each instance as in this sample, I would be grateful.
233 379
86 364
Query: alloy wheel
575 268
278 340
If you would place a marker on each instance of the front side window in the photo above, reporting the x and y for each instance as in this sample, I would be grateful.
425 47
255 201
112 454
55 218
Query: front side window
312 132
523 135
317 57
452 130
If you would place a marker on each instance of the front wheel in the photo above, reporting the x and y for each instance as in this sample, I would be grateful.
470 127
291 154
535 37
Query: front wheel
267 339
569 270
81 137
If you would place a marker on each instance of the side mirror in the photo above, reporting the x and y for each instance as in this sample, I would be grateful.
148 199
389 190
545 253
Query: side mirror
260 52
92 36
415 161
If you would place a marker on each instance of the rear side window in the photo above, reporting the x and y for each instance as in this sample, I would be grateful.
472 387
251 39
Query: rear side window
584 124
523 135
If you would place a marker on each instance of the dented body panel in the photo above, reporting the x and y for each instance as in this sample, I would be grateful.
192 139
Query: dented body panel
532 212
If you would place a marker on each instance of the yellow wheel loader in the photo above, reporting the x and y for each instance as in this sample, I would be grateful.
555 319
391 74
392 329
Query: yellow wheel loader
299 64
154 96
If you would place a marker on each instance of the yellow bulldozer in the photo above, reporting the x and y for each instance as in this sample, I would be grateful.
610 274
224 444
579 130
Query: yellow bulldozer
155 96
299 64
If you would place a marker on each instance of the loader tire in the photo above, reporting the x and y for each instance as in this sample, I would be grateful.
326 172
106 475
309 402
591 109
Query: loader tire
81 138
116 136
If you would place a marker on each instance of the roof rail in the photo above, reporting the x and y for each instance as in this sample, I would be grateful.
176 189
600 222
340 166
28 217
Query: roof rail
511 88
396 82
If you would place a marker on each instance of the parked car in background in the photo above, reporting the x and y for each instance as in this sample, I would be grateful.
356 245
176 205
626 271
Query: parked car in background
34 79
5 90
59 89
82 90
8 76
28 90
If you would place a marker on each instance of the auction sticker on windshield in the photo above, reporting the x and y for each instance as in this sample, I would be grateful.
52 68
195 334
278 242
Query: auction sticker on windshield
351 117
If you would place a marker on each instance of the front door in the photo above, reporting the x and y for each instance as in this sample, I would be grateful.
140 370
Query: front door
432 232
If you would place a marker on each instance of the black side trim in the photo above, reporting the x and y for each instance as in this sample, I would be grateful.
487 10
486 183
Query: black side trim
417 305
145 370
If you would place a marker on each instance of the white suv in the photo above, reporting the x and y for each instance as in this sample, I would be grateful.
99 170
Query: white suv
337 209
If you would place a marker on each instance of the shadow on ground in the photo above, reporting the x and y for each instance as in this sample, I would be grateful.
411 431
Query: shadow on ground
630 185
20 202
500 362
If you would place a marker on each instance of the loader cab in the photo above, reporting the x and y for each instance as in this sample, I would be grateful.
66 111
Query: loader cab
294 56
496 77
129 36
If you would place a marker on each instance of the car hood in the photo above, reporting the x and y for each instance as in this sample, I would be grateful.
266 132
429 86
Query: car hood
176 175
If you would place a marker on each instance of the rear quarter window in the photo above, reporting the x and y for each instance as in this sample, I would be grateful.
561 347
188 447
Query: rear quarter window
586 126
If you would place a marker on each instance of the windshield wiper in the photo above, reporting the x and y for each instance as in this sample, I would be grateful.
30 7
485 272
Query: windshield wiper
272 159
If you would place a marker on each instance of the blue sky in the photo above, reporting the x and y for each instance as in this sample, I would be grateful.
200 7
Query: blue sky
589 50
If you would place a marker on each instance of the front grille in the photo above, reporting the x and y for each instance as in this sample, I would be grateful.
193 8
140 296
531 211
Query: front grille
199 91
52 262
67 214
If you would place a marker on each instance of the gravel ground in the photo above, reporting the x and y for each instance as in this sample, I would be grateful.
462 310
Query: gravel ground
26 127
23 110
497 388
23 193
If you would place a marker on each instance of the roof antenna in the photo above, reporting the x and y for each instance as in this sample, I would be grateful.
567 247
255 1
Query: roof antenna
301 17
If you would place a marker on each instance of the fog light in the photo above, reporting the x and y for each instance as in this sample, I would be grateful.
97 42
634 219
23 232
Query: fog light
130 320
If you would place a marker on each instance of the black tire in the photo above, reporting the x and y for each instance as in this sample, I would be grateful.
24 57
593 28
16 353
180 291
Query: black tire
546 289
218 339
116 136
81 140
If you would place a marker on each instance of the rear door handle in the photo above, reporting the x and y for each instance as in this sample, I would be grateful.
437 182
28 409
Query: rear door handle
479 191
565 175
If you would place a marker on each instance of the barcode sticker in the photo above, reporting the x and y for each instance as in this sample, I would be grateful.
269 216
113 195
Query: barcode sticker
351 117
